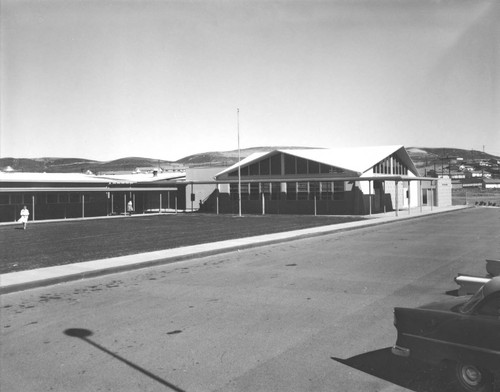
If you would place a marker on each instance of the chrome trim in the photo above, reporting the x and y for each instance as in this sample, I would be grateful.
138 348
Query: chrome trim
400 351
475 348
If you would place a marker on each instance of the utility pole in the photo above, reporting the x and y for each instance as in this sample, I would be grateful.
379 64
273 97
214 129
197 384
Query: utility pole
239 159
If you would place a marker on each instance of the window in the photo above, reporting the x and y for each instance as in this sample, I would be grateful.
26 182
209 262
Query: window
254 191
491 307
265 166
254 169
301 166
233 191
275 190
51 198
302 191
276 164
16 198
326 191
63 198
313 167
338 190
314 190
74 198
4 198
245 190
291 191
289 164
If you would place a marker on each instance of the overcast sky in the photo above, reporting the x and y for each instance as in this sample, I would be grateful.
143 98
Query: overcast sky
163 79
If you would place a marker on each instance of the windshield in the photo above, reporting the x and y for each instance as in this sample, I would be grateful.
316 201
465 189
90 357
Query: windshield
473 301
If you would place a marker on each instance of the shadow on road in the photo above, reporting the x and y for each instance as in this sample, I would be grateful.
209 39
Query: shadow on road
416 376
84 334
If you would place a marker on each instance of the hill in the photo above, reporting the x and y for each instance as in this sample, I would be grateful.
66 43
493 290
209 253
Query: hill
425 159
77 165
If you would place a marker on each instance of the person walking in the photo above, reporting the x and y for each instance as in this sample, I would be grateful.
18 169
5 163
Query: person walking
130 207
24 217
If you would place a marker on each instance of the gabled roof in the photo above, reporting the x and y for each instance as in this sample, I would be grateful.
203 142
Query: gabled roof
356 159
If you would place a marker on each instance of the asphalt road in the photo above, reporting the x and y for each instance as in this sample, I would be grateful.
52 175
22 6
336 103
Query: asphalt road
264 319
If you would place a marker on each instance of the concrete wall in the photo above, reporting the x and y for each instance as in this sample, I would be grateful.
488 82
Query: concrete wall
443 192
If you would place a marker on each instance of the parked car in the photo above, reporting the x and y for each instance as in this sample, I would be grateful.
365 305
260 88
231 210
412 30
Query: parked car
462 333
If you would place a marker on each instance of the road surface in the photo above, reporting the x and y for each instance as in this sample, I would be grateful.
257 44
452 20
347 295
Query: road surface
263 319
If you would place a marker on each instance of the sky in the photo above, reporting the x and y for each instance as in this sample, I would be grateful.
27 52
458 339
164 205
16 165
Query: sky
108 79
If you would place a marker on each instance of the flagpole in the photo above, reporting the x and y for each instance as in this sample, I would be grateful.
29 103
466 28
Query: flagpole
239 166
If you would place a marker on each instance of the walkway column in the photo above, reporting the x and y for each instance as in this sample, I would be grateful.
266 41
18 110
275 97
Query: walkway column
409 197
125 204
397 198
33 207
421 195
370 196
263 204
83 206
160 204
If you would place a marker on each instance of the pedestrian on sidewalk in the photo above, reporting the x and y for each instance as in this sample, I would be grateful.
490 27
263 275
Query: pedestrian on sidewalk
24 217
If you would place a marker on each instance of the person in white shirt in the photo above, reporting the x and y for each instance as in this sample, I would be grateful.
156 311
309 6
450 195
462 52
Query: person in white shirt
24 217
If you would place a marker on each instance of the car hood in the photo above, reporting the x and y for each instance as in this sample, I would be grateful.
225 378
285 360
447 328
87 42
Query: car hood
449 304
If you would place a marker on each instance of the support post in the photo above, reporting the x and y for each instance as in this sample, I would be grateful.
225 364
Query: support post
83 206
409 197
396 198
421 195
159 211
33 207
370 197
263 204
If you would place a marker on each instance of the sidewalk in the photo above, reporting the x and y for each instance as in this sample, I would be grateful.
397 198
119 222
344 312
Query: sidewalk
24 280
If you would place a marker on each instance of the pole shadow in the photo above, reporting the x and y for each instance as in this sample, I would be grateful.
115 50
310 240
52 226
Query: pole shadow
84 335
407 373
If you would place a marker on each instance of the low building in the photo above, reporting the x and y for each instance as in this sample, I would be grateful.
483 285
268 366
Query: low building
76 195
491 183
355 181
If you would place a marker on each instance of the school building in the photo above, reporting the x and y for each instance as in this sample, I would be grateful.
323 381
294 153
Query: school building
343 181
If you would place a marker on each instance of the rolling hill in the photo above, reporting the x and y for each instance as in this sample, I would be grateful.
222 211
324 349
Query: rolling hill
423 157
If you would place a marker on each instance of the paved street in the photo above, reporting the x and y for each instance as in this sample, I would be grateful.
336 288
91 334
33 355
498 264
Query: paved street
264 319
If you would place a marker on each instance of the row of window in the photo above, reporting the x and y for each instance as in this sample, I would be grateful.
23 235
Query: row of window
48 198
390 165
325 190
292 165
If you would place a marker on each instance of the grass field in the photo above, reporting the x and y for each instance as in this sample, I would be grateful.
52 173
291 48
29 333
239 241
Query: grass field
474 196
46 244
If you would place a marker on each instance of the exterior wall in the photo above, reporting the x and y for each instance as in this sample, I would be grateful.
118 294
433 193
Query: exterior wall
443 192
200 192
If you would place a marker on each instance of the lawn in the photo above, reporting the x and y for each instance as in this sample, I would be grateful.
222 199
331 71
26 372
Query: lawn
46 244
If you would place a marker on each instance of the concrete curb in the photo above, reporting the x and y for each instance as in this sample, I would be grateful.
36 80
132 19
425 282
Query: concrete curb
25 280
